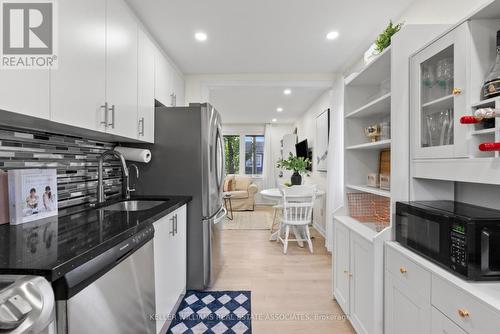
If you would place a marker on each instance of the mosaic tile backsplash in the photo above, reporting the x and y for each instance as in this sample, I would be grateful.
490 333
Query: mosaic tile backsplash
76 161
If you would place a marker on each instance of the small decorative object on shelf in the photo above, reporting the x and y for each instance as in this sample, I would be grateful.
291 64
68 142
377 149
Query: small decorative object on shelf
385 130
481 115
491 86
373 132
385 182
384 39
373 180
298 165
489 147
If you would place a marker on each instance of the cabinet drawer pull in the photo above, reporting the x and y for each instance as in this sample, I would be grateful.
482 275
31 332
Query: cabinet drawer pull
463 313
175 223
105 107
403 270
141 127
112 124
457 91
172 231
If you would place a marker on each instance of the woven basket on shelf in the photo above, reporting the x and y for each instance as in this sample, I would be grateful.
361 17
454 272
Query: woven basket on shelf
369 208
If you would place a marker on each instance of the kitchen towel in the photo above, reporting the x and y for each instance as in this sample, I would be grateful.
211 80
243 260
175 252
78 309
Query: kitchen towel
135 154
4 198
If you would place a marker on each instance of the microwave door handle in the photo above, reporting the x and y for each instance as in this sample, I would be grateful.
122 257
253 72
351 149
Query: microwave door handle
485 254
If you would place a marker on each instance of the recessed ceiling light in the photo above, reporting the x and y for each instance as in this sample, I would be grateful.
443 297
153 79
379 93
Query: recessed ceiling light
332 35
279 109
287 91
274 120
200 36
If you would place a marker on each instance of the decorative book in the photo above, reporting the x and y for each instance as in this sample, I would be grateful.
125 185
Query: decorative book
32 194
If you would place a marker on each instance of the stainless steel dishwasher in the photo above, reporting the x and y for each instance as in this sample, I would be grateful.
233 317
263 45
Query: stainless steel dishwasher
112 293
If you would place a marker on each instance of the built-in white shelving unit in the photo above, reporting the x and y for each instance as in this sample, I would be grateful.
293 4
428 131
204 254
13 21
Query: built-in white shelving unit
367 102
359 239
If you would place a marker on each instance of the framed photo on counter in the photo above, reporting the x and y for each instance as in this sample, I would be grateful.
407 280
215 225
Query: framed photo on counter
32 194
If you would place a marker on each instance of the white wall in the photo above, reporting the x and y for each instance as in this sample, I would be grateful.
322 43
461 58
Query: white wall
306 129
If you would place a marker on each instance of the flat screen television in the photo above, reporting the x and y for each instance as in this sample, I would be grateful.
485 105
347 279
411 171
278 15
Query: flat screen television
302 150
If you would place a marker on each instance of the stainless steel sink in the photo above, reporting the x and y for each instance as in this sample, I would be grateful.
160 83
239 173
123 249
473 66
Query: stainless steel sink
132 205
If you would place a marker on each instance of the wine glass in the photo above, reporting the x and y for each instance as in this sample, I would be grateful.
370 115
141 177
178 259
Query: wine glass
448 74
428 81
444 75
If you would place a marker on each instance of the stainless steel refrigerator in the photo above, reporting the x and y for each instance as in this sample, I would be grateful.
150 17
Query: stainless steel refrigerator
188 159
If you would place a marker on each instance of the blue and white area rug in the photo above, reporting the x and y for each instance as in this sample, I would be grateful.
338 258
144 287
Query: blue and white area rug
213 312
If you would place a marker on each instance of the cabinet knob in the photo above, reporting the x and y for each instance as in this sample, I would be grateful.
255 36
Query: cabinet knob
457 91
463 313
403 270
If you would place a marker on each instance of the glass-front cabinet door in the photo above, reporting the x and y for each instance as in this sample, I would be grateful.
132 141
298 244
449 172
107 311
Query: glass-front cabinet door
438 98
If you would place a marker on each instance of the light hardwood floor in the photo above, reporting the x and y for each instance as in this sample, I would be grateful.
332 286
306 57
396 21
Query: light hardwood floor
291 285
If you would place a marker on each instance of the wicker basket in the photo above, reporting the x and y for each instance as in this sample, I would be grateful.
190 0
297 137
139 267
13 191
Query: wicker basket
369 208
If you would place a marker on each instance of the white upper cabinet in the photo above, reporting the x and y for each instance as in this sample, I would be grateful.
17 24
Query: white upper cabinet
77 86
109 74
169 83
439 97
163 79
146 88
178 88
121 69
25 92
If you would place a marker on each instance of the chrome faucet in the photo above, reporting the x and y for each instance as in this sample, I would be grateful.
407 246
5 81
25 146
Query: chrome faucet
100 184
136 175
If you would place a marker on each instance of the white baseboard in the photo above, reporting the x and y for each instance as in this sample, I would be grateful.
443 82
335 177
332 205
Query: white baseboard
320 229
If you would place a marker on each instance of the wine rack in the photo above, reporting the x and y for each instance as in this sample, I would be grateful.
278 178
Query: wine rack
482 133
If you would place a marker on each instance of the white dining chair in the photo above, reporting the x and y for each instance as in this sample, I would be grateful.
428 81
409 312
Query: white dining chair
298 203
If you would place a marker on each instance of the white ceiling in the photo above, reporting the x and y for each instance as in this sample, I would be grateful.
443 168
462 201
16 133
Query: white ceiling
265 36
257 105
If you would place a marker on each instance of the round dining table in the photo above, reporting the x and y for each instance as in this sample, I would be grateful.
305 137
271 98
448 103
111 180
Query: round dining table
275 194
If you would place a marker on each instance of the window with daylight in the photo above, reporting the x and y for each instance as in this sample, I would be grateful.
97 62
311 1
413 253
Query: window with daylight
232 154
254 154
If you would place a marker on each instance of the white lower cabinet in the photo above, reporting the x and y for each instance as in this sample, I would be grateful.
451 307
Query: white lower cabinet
422 298
341 266
358 275
170 262
361 305
442 325
405 310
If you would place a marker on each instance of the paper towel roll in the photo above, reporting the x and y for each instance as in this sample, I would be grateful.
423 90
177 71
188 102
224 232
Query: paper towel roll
135 154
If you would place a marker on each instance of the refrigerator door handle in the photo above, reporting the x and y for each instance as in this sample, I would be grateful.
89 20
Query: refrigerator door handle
217 217
220 217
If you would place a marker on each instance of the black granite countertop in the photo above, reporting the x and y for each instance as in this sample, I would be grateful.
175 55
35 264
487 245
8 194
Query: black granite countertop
53 246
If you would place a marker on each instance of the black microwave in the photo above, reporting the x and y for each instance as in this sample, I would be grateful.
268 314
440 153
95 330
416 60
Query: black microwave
462 238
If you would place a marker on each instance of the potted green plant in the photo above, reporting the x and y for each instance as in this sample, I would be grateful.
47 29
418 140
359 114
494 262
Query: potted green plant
297 165
384 39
